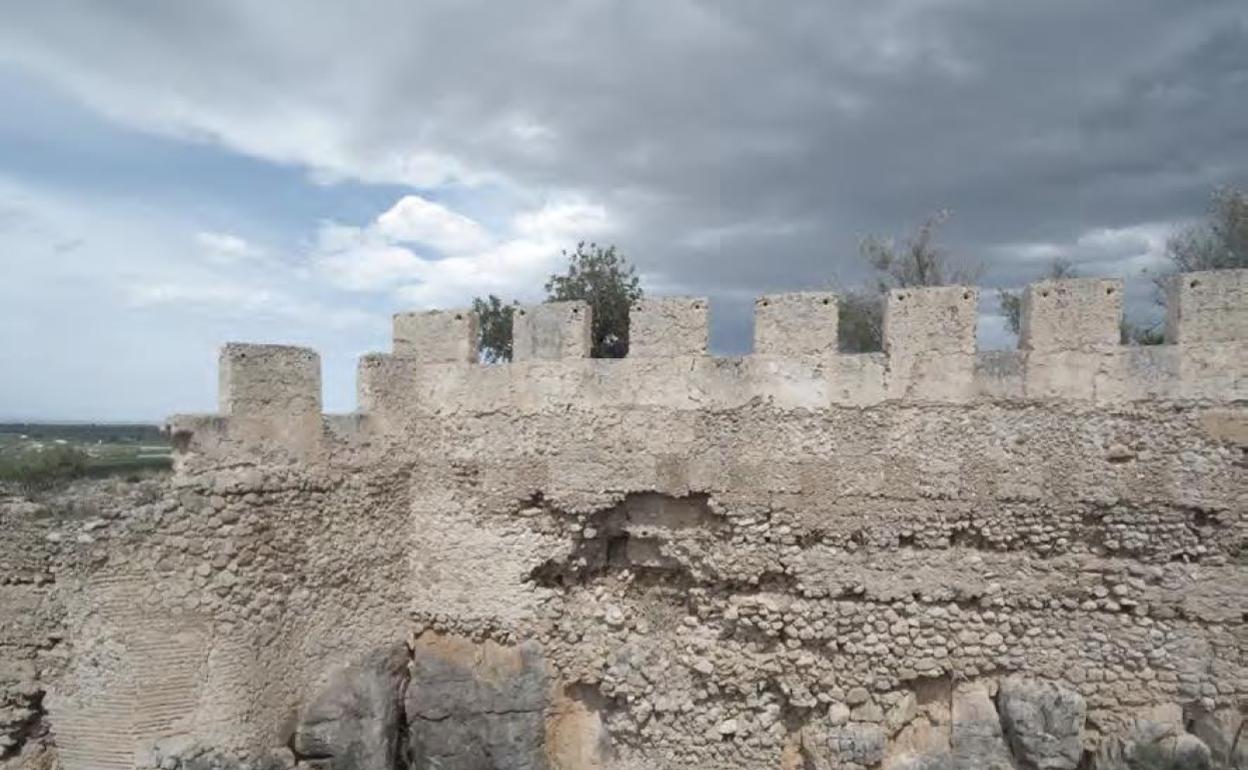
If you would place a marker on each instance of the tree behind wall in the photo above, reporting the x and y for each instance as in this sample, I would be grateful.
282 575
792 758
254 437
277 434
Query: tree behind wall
603 278
494 323
1218 243
918 261
600 276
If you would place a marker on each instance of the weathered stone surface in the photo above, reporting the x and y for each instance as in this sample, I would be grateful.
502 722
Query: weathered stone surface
354 721
1217 730
477 707
1043 722
975 737
1191 753
867 528
827 747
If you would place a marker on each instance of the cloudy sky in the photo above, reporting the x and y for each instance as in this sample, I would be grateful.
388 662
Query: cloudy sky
177 174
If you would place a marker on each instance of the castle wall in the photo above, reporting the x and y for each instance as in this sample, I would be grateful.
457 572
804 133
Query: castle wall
796 558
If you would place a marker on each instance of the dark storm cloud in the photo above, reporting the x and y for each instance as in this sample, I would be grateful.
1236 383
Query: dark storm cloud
743 146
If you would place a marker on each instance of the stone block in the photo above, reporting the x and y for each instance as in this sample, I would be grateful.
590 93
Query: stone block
268 381
1207 307
938 319
437 336
552 330
1076 314
667 326
797 324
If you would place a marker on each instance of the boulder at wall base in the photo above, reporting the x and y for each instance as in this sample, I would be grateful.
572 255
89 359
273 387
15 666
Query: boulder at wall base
1191 753
1217 731
1152 745
1043 723
353 722
975 736
477 706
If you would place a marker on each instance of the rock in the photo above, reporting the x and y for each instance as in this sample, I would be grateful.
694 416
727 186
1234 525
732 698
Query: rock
857 695
353 722
918 762
614 616
975 737
1217 731
1118 453
867 712
1043 723
827 748
473 706
1191 753
901 713
921 745
838 714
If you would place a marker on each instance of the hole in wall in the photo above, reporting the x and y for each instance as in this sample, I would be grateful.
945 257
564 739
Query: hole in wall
763 302
966 295
459 317
521 312
1109 290
1194 283
900 295
1044 293
825 301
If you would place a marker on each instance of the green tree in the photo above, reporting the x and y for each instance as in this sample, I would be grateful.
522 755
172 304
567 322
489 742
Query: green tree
1012 301
917 261
603 278
493 328
1218 243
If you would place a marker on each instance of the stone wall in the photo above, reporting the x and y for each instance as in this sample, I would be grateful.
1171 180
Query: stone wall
929 557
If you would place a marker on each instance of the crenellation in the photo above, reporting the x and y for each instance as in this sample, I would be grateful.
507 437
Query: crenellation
1071 315
268 381
1207 307
668 327
938 319
551 331
796 558
796 324
436 336
929 337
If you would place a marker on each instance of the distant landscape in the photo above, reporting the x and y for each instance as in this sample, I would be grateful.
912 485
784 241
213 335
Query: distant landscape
38 455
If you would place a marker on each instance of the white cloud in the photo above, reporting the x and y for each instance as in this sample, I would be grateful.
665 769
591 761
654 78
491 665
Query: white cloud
359 260
417 220
514 262
563 219
225 248
1119 251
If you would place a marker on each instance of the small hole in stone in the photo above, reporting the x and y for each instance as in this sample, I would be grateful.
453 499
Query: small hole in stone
697 306
458 317
901 296
1109 290
576 311
1194 284
521 312
1044 294
764 303
825 301
966 295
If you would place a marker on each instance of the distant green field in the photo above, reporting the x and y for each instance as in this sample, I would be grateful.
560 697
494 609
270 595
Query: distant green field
39 455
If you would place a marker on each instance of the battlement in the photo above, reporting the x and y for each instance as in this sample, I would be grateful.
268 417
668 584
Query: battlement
823 557
1068 350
